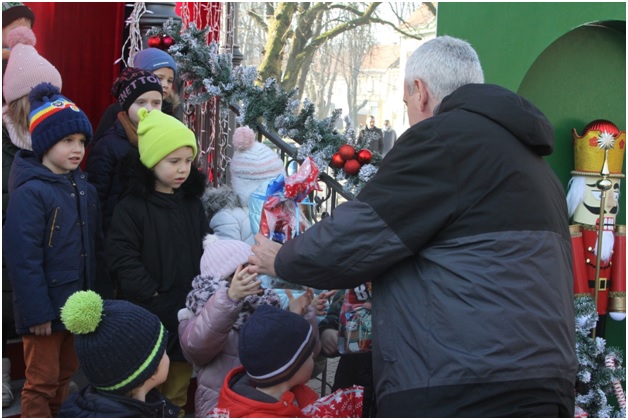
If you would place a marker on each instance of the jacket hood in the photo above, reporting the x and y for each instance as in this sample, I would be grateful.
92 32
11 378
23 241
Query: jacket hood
513 112
27 166
216 199
140 181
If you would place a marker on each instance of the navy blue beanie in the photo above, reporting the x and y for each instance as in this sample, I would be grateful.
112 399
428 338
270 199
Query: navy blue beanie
53 117
152 59
274 343
119 344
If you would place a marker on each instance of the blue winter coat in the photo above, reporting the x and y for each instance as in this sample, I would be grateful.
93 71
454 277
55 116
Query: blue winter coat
50 241
95 404
103 164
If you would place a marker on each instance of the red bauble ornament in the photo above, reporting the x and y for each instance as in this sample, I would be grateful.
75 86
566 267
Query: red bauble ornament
337 161
346 151
352 167
154 41
365 156
168 41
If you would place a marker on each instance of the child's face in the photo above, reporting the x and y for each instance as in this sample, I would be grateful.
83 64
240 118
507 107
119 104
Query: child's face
65 155
162 370
149 100
172 171
166 76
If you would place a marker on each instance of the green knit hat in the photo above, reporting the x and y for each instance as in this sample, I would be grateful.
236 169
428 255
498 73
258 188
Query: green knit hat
159 135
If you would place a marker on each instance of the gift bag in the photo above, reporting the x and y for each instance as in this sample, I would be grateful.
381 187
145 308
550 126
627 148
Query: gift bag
355 329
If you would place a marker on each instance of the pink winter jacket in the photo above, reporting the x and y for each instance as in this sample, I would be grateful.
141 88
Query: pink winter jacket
211 345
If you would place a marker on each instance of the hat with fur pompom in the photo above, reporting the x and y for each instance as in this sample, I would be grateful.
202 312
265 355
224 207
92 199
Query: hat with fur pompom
118 344
221 257
54 117
252 165
25 67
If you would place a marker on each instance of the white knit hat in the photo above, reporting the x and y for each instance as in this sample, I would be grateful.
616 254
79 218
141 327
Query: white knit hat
25 67
221 257
252 165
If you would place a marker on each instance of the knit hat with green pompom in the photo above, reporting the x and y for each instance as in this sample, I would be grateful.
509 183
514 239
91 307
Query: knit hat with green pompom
119 344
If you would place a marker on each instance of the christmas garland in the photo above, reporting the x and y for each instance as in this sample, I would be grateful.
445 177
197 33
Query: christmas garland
207 74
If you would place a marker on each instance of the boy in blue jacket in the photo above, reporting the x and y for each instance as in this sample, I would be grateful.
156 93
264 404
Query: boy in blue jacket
49 241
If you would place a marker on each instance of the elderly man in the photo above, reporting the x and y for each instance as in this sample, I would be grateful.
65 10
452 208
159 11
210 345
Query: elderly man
464 234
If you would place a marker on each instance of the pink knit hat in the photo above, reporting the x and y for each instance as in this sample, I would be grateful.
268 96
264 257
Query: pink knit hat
25 67
252 165
221 257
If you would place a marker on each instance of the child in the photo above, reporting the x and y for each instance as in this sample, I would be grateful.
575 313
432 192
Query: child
161 64
223 297
122 350
26 69
252 167
14 15
49 241
276 350
155 240
134 89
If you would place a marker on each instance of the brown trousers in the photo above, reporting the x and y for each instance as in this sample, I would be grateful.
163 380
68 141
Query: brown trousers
50 364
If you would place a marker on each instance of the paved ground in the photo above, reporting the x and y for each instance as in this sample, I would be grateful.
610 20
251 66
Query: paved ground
317 383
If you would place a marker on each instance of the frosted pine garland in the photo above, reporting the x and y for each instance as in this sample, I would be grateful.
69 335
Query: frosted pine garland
209 73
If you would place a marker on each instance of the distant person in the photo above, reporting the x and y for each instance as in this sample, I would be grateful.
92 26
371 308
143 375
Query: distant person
389 137
465 230
122 350
371 136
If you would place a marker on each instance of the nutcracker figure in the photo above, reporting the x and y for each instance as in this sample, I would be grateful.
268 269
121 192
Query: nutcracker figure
599 246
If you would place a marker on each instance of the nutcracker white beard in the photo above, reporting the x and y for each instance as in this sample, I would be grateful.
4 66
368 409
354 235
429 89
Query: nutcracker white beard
583 202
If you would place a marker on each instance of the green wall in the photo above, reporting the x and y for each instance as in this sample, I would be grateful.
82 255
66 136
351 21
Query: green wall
567 58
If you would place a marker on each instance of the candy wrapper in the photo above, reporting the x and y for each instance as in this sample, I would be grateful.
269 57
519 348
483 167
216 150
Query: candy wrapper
343 403
281 218
355 328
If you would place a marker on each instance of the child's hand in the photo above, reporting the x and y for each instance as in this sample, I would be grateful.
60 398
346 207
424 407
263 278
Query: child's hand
42 329
244 284
300 304
320 302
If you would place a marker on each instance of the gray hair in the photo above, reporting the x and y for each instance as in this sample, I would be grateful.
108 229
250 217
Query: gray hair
444 64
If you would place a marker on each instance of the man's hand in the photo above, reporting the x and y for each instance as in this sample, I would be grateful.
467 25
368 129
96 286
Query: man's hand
42 329
265 250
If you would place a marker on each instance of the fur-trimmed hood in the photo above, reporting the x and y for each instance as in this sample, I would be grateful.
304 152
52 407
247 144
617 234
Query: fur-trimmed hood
139 181
216 199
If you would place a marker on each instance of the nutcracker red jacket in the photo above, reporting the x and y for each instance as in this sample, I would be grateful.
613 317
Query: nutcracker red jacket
464 232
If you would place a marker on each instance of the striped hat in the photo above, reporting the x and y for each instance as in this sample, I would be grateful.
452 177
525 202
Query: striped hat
274 343
252 165
53 117
118 343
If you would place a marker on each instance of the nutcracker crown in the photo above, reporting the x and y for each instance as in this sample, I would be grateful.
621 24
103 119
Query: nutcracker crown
589 150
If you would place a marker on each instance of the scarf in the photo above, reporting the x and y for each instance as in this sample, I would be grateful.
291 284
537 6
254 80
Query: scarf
19 138
129 128
204 287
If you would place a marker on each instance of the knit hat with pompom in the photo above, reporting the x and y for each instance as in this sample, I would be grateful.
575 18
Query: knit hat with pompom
118 344
25 68
221 257
54 117
252 165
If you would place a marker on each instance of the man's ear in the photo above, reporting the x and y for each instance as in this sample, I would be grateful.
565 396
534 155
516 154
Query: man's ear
424 95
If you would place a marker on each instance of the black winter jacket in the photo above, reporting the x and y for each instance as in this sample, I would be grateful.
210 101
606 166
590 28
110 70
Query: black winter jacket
465 230
155 244
90 402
